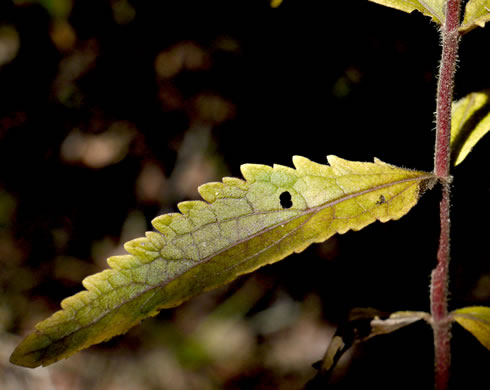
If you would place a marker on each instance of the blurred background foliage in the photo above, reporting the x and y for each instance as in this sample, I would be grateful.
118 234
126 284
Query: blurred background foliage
112 111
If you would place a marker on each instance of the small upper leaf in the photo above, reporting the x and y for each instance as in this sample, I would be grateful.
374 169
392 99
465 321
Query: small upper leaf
477 13
470 122
362 324
395 321
431 8
476 320
242 225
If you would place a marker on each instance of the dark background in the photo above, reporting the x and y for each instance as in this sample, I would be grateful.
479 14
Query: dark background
111 112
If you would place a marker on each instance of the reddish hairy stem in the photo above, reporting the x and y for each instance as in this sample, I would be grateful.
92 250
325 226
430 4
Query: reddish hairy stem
439 292
450 43
439 282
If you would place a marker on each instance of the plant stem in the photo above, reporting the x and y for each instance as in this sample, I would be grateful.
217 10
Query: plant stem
450 43
439 291
439 282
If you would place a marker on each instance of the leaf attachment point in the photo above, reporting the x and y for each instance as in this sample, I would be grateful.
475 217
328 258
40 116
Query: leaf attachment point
240 226
476 320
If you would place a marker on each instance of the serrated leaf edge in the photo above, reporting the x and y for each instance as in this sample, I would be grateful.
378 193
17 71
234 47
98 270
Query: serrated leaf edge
154 241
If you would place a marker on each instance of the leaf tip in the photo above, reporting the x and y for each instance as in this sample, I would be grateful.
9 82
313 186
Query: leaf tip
332 159
30 352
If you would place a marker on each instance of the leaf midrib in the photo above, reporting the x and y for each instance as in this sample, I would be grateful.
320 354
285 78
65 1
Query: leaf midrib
472 317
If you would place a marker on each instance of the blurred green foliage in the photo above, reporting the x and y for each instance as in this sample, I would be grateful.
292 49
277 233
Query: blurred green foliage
55 8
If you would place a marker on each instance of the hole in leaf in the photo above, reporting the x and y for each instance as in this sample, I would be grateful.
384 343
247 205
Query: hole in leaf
285 199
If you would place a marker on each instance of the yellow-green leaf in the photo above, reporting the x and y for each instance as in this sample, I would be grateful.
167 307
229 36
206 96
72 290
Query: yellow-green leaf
470 122
476 320
240 226
275 3
431 8
477 13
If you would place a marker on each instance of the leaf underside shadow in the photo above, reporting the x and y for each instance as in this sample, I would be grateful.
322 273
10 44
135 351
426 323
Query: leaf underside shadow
240 226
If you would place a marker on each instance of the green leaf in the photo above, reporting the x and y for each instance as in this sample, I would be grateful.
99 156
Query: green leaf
476 320
431 8
477 13
470 122
241 226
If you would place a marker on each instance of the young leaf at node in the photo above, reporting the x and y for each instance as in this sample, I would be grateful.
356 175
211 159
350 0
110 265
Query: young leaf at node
431 8
470 122
241 226
476 14
476 320
362 325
